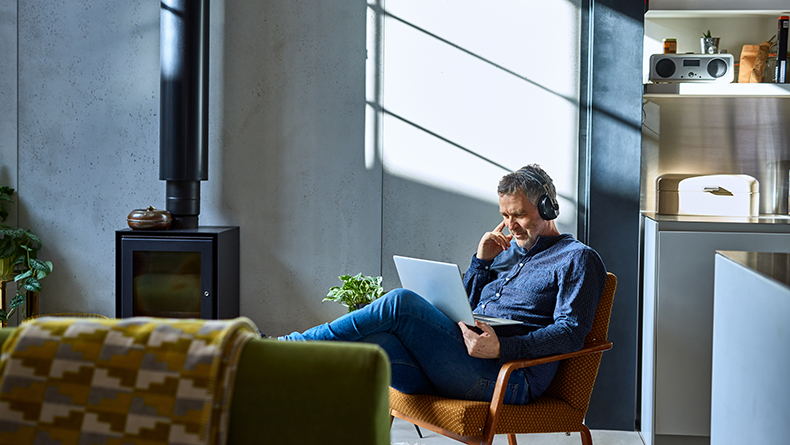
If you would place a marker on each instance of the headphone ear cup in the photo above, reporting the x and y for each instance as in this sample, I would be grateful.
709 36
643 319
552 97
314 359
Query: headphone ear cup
546 209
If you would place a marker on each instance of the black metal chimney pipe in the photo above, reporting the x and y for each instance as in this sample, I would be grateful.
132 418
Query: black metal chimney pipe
183 150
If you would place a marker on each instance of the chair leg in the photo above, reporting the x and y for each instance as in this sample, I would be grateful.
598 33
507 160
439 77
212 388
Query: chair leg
511 439
419 433
586 436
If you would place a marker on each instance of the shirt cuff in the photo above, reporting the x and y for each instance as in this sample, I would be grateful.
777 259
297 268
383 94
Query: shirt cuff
507 349
481 265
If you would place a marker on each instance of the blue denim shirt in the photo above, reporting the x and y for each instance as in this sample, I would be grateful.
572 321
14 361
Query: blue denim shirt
554 288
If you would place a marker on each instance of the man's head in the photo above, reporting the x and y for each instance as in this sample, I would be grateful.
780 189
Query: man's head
528 204
537 185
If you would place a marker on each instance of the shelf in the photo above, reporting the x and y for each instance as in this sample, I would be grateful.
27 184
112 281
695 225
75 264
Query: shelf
730 7
706 14
717 89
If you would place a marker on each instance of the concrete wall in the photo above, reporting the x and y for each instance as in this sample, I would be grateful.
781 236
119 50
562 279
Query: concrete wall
8 90
340 134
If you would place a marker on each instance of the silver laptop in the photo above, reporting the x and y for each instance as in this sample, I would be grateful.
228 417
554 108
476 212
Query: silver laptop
442 285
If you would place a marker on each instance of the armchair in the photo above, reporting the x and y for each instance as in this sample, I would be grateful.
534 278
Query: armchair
560 409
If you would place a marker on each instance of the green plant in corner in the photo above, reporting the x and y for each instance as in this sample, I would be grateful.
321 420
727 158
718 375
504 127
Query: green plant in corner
356 291
707 35
18 251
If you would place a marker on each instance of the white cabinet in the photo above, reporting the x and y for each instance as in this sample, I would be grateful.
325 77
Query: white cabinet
677 323
749 380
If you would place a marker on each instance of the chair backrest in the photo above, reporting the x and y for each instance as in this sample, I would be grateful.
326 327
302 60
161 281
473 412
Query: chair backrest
575 377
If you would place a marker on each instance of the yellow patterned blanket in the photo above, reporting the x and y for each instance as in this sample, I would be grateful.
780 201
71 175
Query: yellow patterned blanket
136 380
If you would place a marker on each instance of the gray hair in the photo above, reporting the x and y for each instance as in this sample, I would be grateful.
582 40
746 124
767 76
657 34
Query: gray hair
529 180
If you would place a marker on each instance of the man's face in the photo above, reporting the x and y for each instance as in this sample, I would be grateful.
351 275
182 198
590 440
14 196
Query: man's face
521 218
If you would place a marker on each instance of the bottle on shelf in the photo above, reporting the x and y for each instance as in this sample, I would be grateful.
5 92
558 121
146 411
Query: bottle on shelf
781 52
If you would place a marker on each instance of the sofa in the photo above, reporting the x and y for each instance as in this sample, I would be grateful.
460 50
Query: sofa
307 393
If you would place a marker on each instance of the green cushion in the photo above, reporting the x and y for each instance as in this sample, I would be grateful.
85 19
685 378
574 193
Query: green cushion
4 334
311 392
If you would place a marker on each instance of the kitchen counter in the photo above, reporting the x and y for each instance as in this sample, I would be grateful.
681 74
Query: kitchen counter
762 223
678 259
749 384
772 266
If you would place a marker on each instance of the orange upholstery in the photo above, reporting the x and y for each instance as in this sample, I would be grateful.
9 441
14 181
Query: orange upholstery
560 409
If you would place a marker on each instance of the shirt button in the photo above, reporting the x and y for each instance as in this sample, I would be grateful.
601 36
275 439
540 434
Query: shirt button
520 264
497 294
486 267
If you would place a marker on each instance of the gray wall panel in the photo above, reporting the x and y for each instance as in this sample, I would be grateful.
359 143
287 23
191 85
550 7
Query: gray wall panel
8 97
613 220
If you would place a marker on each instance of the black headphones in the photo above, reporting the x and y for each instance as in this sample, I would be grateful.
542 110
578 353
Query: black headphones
548 207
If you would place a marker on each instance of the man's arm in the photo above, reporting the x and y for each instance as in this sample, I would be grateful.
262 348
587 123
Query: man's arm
580 289
480 272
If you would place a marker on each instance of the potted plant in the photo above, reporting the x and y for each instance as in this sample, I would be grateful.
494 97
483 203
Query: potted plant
18 251
356 291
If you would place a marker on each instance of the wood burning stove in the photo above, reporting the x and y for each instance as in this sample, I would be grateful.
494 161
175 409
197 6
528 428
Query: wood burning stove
187 271
177 273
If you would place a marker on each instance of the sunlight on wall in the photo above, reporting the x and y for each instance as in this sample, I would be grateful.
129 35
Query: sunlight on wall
469 93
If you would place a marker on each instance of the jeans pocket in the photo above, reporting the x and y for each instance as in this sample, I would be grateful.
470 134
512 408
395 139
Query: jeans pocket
483 390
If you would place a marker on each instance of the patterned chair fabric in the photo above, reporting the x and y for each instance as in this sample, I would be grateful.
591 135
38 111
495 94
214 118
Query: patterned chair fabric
560 409
136 380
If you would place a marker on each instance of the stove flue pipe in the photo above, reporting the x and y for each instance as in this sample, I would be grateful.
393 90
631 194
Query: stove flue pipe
183 150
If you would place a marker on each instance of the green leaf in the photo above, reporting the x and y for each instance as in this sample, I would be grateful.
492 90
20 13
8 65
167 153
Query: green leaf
13 232
23 275
33 237
7 247
41 266
32 284
18 300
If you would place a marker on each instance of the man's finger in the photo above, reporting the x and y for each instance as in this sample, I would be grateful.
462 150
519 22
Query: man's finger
485 327
500 227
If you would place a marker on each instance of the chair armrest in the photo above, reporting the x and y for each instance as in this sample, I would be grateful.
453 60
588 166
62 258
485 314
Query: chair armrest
589 348
504 373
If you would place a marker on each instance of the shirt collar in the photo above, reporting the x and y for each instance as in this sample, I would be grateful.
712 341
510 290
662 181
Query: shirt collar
543 243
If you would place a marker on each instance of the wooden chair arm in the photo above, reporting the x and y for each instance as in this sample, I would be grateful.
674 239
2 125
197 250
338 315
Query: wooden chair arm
504 374
589 348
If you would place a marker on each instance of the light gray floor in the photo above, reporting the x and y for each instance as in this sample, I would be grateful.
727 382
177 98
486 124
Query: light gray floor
403 433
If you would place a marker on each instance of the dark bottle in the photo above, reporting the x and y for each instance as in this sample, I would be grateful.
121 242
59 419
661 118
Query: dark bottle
781 52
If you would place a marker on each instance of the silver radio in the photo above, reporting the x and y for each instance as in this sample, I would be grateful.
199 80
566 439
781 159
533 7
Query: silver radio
692 68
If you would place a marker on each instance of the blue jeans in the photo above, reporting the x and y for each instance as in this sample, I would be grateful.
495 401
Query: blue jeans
426 349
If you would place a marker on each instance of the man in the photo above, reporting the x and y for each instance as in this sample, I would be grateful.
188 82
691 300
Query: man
547 280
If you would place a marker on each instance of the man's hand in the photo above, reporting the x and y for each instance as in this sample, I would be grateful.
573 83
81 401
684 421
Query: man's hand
493 243
485 345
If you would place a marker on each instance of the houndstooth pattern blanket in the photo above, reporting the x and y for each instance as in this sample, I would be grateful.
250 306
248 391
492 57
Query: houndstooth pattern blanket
124 381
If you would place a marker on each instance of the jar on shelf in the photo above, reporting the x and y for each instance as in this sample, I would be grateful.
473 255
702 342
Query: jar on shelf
670 46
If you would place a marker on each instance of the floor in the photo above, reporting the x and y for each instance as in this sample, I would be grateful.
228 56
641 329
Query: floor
404 433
